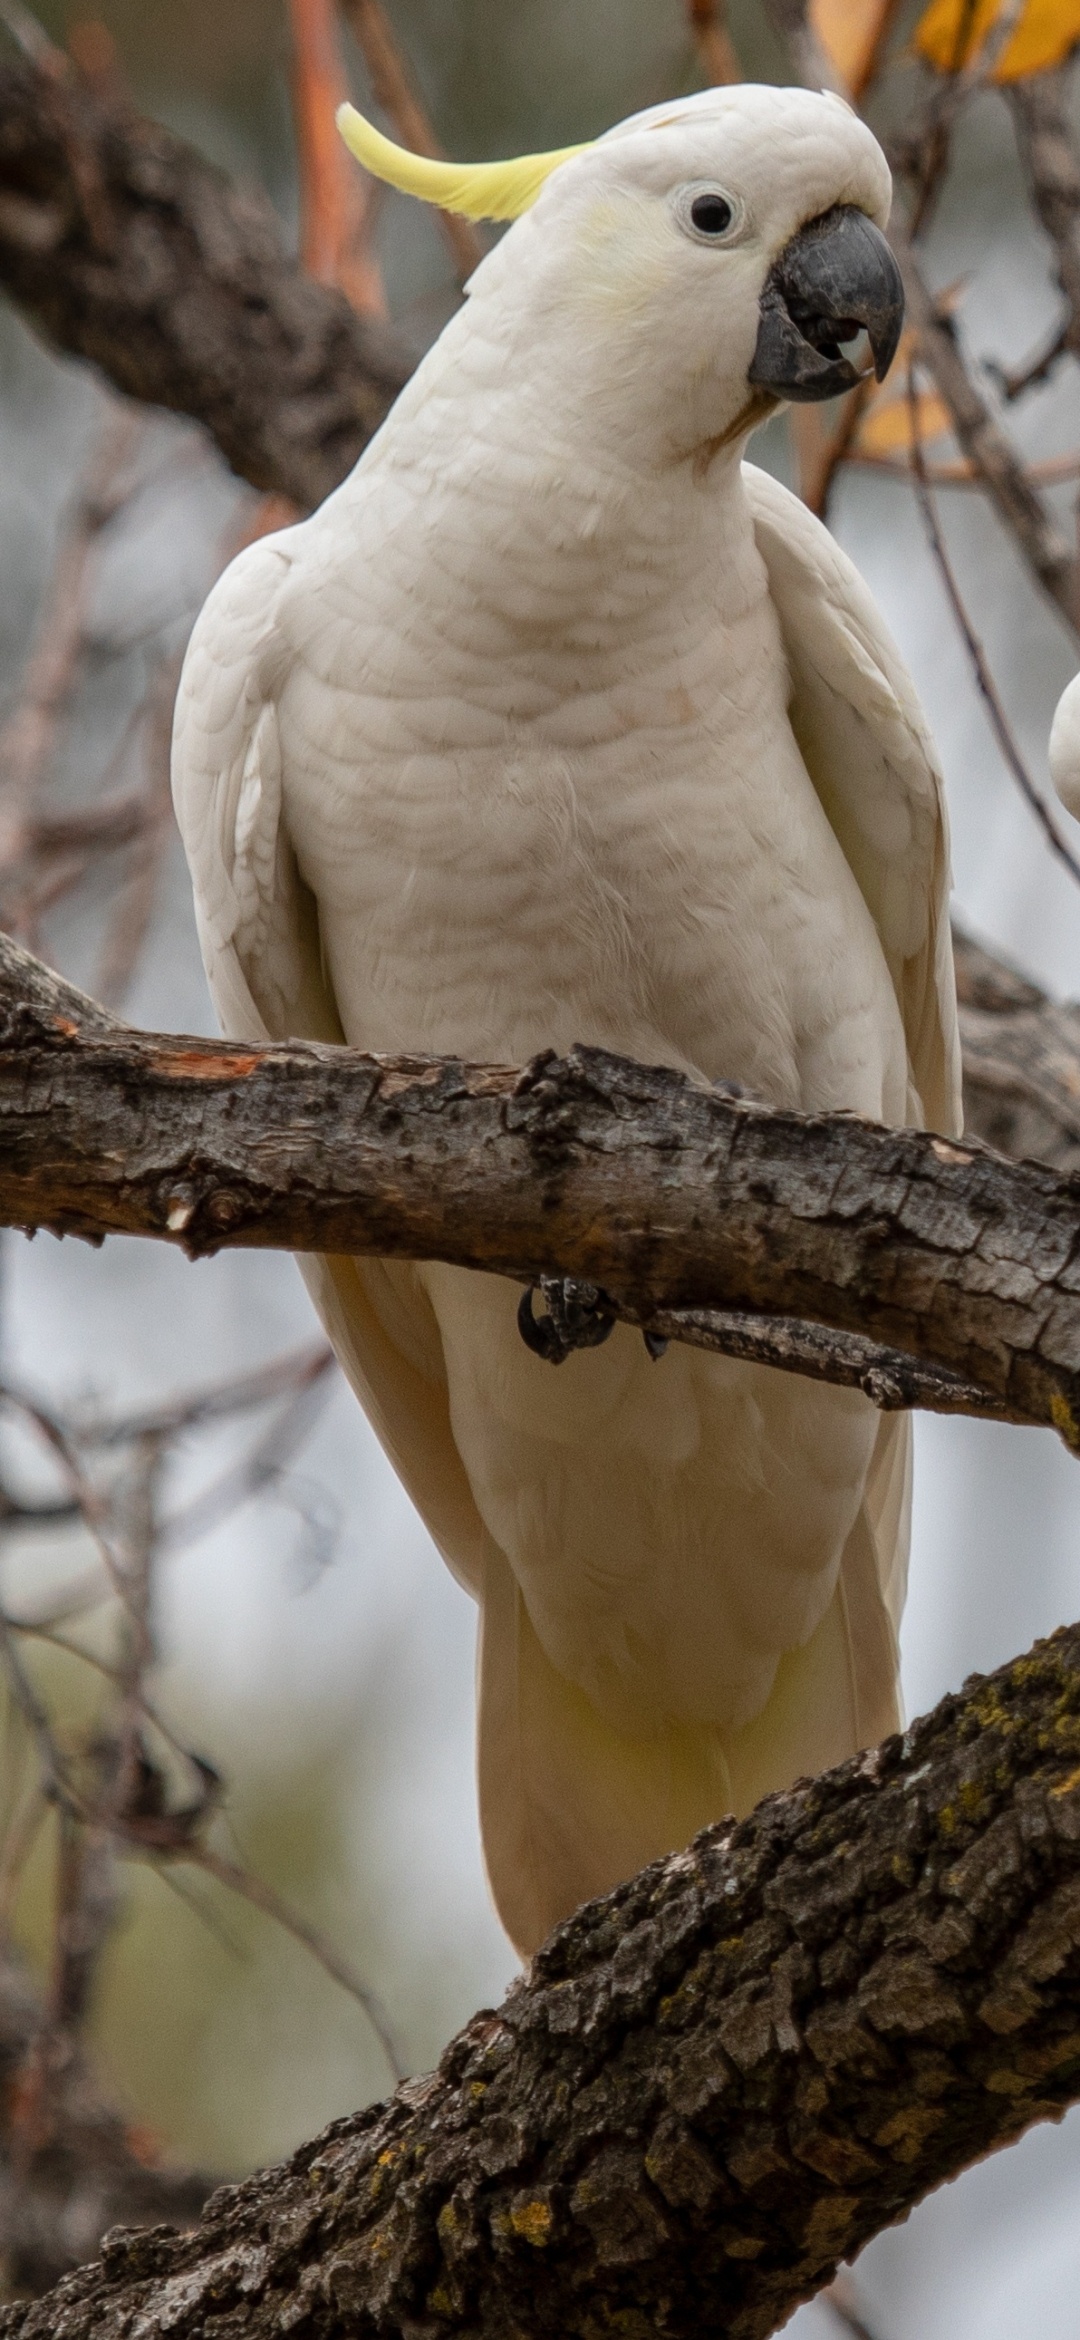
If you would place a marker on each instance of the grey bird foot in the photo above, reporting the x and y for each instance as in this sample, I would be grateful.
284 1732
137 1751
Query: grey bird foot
578 1316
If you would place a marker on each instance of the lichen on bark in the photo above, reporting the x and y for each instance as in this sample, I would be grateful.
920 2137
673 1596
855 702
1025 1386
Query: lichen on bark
715 2083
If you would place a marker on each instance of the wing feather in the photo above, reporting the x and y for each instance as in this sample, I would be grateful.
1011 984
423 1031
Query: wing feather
259 930
865 742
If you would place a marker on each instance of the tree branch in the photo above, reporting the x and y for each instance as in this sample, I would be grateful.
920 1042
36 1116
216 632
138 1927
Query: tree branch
69 2166
1021 1062
123 246
717 2082
1039 106
1007 482
665 1196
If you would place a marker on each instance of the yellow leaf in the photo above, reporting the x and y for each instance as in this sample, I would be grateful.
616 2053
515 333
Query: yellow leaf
849 30
951 33
886 429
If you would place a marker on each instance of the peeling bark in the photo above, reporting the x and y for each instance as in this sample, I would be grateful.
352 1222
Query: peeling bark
716 2083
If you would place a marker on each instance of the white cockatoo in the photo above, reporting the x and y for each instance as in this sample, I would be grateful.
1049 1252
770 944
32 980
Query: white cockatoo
1065 748
558 722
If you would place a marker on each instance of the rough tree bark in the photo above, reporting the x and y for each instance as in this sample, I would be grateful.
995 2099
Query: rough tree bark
666 1196
717 2082
1021 1061
124 246
733 2071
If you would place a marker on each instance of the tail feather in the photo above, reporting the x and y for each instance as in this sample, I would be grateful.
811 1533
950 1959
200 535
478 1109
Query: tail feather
570 1807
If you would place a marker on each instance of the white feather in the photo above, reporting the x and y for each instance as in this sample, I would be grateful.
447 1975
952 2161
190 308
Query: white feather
554 724
1065 748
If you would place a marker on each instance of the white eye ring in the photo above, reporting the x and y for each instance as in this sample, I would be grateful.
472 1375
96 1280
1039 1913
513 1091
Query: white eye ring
709 202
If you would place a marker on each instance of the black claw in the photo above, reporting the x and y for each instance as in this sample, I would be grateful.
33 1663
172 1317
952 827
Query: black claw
656 1344
579 1316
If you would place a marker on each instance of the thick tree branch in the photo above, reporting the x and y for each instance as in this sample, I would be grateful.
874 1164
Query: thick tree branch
69 2167
717 2082
124 246
665 1196
1021 1062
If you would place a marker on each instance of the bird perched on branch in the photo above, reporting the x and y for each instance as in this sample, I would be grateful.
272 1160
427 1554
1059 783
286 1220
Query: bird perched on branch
557 722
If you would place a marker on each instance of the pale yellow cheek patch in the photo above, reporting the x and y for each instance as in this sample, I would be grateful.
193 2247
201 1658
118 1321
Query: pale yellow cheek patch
620 258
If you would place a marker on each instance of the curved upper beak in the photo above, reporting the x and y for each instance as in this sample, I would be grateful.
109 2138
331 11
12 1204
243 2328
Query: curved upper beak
836 277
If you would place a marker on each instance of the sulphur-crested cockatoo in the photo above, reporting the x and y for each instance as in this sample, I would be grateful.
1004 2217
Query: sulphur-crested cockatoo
558 723
1065 748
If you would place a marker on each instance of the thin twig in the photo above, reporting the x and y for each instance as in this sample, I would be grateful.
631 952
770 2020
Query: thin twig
931 138
1035 370
35 1716
28 737
337 202
30 36
130 921
241 1394
19 1840
821 456
891 1378
257 1471
713 42
394 91
265 1897
987 687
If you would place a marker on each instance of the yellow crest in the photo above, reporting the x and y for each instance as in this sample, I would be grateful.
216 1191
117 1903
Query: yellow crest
499 190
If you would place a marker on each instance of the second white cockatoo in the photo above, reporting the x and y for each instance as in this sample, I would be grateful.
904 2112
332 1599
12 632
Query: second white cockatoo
559 723
1065 748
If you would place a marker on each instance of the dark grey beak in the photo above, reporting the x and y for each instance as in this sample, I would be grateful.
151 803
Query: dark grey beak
835 277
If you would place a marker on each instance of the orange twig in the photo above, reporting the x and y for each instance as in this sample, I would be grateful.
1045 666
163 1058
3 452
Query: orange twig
336 200
393 91
713 41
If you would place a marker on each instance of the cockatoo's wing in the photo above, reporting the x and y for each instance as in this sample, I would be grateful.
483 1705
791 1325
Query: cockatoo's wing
865 743
866 746
259 930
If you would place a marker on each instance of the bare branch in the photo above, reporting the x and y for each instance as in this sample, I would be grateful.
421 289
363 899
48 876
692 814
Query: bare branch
28 737
338 201
984 681
1007 482
716 2083
1040 111
126 248
663 1195
394 90
712 40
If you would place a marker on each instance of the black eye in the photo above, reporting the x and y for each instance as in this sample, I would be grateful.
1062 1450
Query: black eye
711 215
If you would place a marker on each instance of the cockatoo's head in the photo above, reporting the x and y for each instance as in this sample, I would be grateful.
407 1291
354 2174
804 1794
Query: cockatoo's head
690 269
